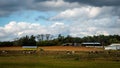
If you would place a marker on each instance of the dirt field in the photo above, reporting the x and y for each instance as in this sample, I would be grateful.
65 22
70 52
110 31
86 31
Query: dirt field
11 48
57 48
70 48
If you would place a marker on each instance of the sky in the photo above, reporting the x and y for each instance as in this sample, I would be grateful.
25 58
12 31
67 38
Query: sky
77 18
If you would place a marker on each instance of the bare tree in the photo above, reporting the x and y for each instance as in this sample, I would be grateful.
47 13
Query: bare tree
47 36
40 37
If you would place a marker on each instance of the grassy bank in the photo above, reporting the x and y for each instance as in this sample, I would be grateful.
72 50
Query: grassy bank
55 61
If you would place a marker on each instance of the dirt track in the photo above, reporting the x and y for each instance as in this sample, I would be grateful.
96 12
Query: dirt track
11 48
57 48
69 48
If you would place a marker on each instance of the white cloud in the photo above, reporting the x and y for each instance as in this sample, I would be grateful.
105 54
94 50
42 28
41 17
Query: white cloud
70 13
94 11
105 26
77 13
59 28
79 28
87 12
91 29
18 29
57 24
2 32
15 29
102 33
22 27
90 20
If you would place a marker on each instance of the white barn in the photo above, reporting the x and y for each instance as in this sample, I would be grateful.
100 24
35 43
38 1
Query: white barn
113 47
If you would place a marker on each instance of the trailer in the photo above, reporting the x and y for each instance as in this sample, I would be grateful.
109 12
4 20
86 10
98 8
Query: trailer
113 47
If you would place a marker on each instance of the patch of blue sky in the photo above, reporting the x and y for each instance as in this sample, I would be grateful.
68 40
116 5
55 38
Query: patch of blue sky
30 16
3 21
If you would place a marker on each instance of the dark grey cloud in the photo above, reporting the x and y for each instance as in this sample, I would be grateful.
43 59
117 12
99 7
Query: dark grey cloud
9 6
12 4
41 0
98 2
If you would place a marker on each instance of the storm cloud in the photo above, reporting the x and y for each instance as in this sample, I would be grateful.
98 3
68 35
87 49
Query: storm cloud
9 6
97 2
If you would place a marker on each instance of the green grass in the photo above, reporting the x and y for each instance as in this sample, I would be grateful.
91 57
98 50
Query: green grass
50 61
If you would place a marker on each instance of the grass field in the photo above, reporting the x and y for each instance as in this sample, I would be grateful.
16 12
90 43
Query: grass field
58 57
51 62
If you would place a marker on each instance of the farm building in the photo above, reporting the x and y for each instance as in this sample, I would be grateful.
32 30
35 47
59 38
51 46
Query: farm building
91 44
71 44
29 47
113 47
67 44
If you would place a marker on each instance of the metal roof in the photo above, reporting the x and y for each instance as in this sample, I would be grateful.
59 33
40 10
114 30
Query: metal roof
115 45
29 46
91 43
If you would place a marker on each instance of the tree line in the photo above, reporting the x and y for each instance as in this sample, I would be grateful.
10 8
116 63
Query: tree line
50 40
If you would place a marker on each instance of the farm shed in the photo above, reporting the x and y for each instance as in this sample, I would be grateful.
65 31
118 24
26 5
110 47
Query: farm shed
29 47
91 44
113 47
71 44
67 44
